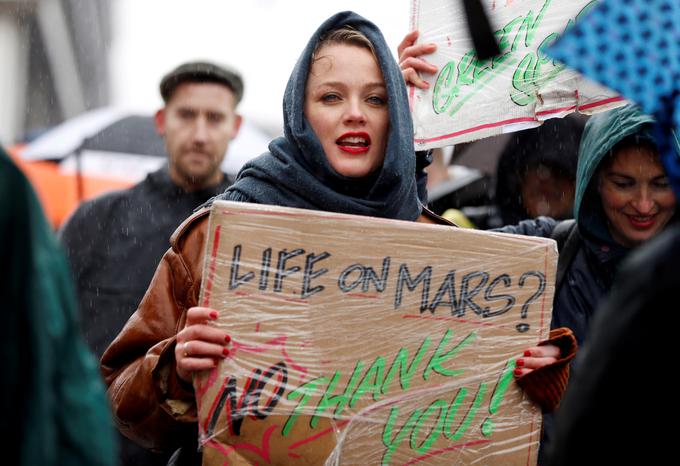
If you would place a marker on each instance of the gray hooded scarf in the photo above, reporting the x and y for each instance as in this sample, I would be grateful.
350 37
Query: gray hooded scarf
296 173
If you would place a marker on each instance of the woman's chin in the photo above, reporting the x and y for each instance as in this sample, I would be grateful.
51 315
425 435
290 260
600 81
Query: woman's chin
353 168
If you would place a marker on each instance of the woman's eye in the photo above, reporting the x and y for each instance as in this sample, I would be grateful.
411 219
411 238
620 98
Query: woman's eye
330 97
623 184
376 100
661 184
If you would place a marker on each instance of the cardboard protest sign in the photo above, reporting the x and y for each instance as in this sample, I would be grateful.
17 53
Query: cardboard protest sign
358 340
469 99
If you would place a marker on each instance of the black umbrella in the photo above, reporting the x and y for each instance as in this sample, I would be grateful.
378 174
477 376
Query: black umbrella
134 134
117 144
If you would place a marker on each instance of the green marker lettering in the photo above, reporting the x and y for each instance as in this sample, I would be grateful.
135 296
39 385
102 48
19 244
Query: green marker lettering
304 392
523 79
453 411
438 358
519 33
584 11
531 26
503 35
443 93
441 406
399 364
481 85
372 381
393 444
465 69
468 418
339 400
497 397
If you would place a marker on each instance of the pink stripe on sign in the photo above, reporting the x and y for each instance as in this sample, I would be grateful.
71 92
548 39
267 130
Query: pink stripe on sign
319 435
445 450
518 120
545 274
212 267
476 128
601 102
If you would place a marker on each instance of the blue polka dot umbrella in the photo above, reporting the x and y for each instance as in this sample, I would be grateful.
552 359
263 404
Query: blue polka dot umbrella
633 47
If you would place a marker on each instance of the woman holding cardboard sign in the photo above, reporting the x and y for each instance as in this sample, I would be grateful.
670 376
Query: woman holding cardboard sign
623 199
348 147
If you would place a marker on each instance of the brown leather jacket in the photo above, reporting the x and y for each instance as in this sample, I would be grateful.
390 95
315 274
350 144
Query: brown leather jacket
150 403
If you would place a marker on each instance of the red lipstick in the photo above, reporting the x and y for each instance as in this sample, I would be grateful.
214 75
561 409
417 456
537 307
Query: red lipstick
641 223
354 142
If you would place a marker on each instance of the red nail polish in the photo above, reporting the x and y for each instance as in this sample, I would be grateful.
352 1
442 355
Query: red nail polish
518 372
213 315
225 352
519 362
527 354
227 338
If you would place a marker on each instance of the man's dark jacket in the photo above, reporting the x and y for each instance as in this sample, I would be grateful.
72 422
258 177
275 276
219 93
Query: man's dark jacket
114 243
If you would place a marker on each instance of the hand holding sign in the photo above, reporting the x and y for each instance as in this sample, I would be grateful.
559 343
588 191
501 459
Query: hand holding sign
535 358
411 61
199 346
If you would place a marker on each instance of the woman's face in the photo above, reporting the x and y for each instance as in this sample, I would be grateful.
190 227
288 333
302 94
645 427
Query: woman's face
636 195
346 104
546 191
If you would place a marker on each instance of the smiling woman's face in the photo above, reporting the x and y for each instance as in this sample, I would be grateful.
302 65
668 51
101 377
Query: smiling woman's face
346 105
636 196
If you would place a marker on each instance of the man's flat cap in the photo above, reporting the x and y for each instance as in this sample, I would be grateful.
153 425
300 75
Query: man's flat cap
201 72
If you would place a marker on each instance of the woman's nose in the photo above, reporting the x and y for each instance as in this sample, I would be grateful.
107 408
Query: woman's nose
354 113
643 202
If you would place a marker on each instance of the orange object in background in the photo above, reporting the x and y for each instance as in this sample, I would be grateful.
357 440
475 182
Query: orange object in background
57 191
111 148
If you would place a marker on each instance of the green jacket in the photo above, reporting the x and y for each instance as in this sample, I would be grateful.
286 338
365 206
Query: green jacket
53 403
602 132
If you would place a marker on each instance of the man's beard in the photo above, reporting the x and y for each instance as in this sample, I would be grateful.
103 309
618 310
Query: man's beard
197 179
